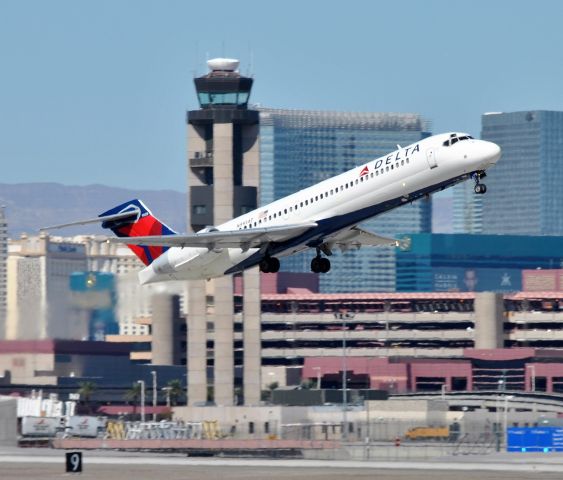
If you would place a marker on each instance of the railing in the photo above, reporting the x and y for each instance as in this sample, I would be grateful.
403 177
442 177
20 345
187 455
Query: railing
201 159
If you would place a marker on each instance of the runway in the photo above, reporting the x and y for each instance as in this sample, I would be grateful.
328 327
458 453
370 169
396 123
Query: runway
26 464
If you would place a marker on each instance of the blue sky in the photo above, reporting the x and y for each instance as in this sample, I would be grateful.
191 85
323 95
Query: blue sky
96 91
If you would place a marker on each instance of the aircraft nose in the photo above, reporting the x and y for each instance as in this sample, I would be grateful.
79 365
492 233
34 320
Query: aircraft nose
492 152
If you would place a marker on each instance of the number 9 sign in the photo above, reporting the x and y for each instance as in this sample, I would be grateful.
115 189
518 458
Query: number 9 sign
73 462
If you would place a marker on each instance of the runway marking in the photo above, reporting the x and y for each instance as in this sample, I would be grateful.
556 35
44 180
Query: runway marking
398 465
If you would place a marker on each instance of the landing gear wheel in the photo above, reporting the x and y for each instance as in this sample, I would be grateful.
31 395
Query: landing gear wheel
269 265
274 265
324 265
320 265
480 188
316 265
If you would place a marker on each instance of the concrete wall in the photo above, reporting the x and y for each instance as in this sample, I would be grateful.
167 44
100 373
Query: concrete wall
165 311
489 318
8 421
23 367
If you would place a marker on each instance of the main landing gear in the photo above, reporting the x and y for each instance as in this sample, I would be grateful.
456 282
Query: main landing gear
269 264
480 188
320 264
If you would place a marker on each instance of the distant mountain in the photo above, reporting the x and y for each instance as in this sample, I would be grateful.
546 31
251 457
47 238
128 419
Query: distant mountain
30 206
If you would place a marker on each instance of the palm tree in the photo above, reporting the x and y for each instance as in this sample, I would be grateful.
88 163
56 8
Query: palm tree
86 391
134 395
268 394
175 391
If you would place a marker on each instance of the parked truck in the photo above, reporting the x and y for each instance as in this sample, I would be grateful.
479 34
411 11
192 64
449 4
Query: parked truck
428 433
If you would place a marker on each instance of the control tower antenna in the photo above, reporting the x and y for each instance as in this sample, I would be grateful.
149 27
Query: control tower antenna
196 60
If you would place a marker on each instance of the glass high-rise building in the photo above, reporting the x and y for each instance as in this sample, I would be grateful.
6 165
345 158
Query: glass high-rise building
524 194
467 208
299 148
480 263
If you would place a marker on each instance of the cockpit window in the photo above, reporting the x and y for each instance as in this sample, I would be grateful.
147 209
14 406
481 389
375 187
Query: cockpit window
454 139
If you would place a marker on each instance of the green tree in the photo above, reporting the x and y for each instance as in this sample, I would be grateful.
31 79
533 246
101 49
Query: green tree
267 394
86 390
176 391
134 395
307 384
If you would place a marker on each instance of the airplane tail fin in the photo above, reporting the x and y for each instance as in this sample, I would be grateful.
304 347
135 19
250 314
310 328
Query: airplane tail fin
134 219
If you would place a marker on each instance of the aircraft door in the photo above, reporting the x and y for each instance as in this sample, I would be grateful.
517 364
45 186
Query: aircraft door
431 158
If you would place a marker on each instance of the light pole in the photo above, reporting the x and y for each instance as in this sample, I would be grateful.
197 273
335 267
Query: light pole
318 370
154 393
142 383
344 317
167 390
506 399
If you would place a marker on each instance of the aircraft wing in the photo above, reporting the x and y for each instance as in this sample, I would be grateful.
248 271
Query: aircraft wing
357 237
245 239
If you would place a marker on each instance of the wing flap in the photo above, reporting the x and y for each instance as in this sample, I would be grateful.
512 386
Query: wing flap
357 237
245 239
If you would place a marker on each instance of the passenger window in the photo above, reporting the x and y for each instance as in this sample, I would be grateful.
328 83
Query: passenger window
301 204
291 209
407 160
402 162
371 174
332 192
386 169
357 180
306 202
392 167
321 196
285 211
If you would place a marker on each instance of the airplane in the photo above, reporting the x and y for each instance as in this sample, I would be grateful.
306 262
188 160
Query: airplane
324 216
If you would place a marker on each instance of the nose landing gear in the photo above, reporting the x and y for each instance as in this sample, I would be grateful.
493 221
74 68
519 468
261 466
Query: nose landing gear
480 188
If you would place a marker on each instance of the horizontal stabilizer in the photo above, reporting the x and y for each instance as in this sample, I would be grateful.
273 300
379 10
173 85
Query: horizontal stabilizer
107 218
245 239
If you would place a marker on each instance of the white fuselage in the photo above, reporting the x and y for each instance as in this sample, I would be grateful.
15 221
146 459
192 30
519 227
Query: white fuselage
366 190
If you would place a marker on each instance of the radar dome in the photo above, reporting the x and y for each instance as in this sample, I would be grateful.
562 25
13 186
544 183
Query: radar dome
223 64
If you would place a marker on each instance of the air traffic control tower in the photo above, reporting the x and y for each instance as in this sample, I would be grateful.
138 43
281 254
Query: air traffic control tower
223 178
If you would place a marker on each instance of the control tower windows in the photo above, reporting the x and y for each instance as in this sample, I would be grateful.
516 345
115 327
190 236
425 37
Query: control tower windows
207 99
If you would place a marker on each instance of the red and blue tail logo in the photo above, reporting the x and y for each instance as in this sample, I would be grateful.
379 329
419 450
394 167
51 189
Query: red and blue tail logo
141 225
